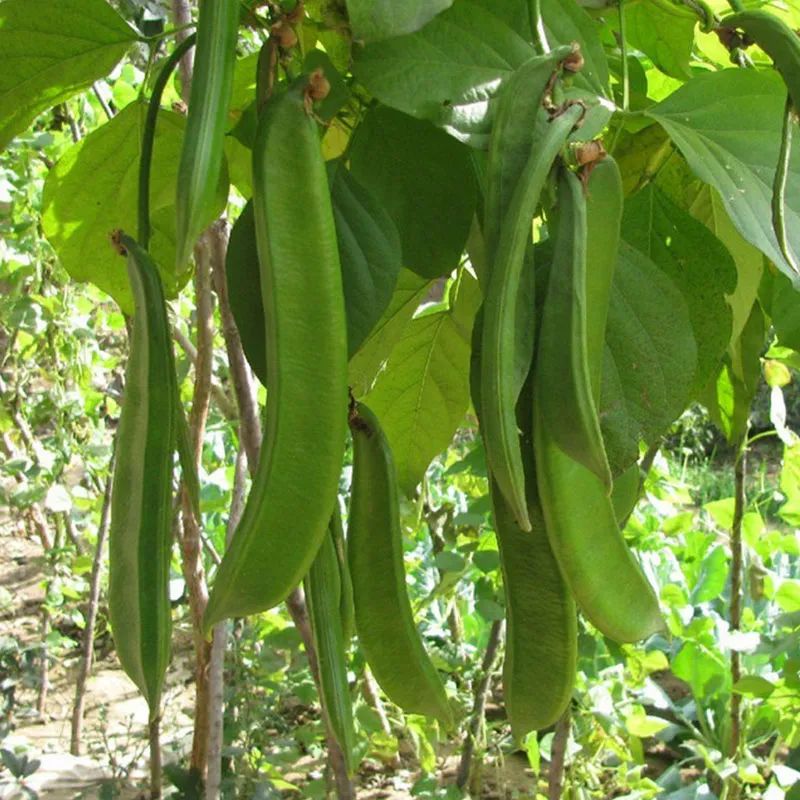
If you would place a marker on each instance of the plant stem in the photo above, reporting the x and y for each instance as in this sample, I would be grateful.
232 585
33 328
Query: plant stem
740 503
558 754
182 18
44 675
87 655
623 45
191 540
296 605
154 739
216 662
476 723
537 27
241 375
100 99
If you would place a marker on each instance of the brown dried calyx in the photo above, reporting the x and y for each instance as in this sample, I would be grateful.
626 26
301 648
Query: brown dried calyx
574 61
284 33
319 86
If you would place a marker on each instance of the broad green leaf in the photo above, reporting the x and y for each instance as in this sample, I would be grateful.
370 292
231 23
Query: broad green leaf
365 365
644 725
663 33
369 251
650 357
704 204
369 248
448 71
729 398
754 686
486 560
698 264
490 610
728 125
709 209
448 561
565 22
790 485
423 394
372 20
700 667
788 596
640 156
712 578
424 179
49 51
93 189
784 311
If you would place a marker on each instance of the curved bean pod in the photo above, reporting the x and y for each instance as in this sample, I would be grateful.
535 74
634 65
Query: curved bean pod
563 385
499 342
384 620
295 486
202 151
579 515
323 593
140 536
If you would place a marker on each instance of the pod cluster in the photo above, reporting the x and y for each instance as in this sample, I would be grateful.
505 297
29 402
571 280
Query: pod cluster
537 357
537 362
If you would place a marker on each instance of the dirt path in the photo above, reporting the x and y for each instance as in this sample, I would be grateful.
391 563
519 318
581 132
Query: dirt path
116 716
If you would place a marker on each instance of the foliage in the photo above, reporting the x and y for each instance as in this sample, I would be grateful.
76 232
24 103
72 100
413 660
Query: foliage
703 300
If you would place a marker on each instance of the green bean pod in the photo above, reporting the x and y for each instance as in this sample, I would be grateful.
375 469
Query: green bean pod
541 619
296 483
625 495
777 40
323 594
604 202
541 623
564 391
384 620
517 108
140 536
597 564
202 151
499 346
579 516
346 607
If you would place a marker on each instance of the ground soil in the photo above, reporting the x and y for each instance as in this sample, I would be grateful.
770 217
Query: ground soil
114 745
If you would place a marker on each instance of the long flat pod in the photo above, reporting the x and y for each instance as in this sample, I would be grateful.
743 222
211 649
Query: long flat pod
323 592
596 563
499 387
541 623
384 620
296 483
563 382
513 129
140 537
202 151
346 608
604 202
